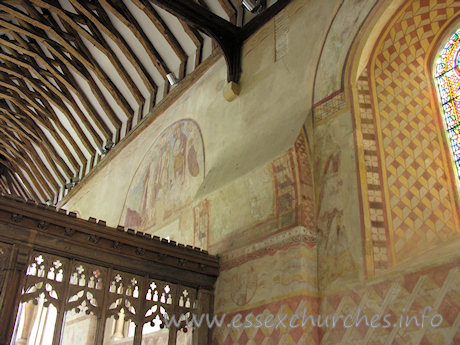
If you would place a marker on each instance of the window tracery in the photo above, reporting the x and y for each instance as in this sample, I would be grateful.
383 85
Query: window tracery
447 76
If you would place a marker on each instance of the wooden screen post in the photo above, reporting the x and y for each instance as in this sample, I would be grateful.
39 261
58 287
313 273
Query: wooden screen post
73 256
202 335
172 335
14 279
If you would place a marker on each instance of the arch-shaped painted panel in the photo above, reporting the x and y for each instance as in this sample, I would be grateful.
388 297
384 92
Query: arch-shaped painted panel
167 179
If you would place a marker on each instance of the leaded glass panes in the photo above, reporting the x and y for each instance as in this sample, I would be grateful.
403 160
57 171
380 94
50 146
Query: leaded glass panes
448 81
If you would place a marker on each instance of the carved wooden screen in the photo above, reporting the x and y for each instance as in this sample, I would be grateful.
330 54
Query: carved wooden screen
69 302
66 281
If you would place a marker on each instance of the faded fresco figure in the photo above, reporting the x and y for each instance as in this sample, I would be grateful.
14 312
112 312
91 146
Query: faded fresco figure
334 246
167 179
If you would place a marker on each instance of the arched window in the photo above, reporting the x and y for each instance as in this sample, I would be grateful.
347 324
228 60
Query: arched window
447 75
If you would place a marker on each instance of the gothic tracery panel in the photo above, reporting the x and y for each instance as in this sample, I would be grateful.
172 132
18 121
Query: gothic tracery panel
45 277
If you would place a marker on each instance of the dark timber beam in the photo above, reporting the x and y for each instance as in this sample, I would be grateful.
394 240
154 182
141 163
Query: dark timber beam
261 19
227 35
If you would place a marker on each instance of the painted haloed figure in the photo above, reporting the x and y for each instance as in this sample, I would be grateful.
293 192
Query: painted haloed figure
167 178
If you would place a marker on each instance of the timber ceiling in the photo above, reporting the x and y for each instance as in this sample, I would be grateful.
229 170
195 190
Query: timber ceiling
76 76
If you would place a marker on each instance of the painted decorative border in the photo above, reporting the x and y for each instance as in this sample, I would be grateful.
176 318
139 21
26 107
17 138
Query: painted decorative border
329 106
377 238
296 235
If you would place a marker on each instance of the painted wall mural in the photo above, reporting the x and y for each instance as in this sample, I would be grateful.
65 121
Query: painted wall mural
268 275
306 188
273 198
297 305
337 214
167 179
201 224
409 198
379 256
402 297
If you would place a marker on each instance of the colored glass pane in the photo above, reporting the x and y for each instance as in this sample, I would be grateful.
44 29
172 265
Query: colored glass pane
448 80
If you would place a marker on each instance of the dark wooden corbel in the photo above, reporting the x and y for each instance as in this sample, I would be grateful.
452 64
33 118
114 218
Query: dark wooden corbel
227 35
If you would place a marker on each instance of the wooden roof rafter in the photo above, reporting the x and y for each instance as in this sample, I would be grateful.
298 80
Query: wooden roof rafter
19 165
95 38
50 98
42 110
8 182
29 129
26 162
12 121
99 18
100 23
61 98
30 145
113 118
77 60
15 185
27 158
161 26
27 185
48 178
46 125
229 9
82 63
72 69
226 34
62 83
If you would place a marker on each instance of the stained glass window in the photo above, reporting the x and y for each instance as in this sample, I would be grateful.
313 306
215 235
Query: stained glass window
447 75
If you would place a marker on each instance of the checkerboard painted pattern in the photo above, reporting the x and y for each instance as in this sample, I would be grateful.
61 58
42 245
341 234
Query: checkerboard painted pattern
410 189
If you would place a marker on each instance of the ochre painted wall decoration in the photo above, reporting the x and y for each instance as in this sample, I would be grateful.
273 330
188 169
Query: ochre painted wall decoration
167 179
411 194
402 297
350 202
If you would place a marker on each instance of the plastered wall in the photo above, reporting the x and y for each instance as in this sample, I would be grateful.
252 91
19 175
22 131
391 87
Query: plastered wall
276 182
408 196
245 190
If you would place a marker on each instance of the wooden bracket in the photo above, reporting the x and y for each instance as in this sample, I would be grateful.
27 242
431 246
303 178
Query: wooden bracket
229 37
